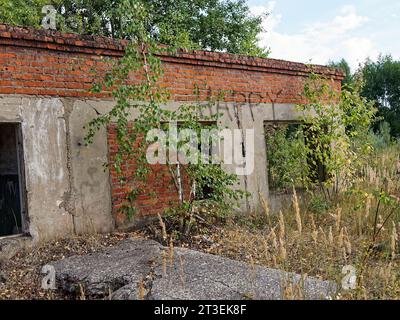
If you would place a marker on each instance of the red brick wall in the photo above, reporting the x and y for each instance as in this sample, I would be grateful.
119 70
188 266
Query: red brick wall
155 195
37 62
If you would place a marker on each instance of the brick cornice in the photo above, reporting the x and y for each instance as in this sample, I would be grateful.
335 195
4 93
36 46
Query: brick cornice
103 46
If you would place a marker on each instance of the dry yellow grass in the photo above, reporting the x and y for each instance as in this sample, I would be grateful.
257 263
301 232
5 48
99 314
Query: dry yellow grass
301 239
320 244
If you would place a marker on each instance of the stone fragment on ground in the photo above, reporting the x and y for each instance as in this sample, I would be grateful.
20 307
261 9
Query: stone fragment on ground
144 269
9 247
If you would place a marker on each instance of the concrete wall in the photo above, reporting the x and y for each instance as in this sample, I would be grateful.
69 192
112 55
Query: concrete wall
67 188
254 116
45 82
234 116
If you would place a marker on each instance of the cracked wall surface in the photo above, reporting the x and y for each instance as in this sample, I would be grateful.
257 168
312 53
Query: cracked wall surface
46 77
241 116
67 189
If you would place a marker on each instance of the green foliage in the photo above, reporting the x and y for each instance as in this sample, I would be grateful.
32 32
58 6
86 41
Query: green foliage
210 183
381 84
329 148
319 204
142 101
218 25
343 65
23 12
382 139
337 132
287 157
213 191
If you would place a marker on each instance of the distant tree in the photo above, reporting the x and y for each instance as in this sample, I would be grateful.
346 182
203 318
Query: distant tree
381 83
22 12
343 65
217 25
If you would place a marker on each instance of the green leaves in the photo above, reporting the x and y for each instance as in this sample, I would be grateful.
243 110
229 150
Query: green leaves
340 122
381 84
23 12
348 81
133 82
218 25
330 147
287 157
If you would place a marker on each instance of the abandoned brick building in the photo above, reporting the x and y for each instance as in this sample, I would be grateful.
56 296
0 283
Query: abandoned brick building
51 184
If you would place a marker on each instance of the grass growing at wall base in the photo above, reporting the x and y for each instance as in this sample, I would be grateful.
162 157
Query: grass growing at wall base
311 237
316 237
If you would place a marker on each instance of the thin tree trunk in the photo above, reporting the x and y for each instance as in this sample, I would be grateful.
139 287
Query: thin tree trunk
179 180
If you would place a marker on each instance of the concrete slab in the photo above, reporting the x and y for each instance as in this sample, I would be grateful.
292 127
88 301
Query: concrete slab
139 265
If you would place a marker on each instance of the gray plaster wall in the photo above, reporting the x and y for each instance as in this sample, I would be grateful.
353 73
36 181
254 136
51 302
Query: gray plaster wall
68 191
254 116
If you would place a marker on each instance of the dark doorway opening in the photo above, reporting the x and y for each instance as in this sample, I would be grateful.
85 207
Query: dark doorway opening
12 204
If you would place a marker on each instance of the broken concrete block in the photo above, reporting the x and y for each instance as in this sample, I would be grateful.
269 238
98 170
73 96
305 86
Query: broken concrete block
142 269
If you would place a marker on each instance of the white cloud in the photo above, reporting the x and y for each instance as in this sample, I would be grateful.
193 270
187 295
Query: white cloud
320 41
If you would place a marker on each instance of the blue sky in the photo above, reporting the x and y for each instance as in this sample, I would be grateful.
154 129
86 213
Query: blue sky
320 31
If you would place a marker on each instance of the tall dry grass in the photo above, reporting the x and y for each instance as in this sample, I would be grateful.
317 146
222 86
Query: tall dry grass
320 243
